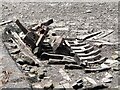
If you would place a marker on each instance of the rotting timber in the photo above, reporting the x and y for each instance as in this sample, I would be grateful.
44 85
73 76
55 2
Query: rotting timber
38 49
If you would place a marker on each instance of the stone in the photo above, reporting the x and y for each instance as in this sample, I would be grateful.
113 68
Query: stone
88 11
36 85
59 87
115 57
31 75
40 74
49 85
34 69
106 80
64 74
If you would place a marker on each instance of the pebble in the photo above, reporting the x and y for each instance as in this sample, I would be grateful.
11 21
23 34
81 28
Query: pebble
106 80
36 85
115 57
31 75
41 74
88 11
59 87
49 85
33 70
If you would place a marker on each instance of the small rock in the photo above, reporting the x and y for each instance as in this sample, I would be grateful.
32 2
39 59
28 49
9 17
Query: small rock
88 11
40 74
104 66
28 60
59 87
31 75
116 68
36 85
92 81
106 80
108 75
66 85
111 62
115 57
49 85
33 70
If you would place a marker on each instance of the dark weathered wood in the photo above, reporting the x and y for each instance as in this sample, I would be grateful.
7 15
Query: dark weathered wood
72 66
21 26
23 48
52 56
30 39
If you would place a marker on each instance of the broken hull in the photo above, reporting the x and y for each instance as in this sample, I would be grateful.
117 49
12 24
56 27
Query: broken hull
42 71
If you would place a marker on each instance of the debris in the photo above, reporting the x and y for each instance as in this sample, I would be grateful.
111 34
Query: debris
72 66
58 61
6 22
64 74
21 26
26 51
53 56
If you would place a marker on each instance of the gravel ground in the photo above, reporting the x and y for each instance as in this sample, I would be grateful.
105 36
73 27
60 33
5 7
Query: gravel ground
78 16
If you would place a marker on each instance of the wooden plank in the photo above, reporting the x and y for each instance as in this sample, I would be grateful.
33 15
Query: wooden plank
21 26
23 48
